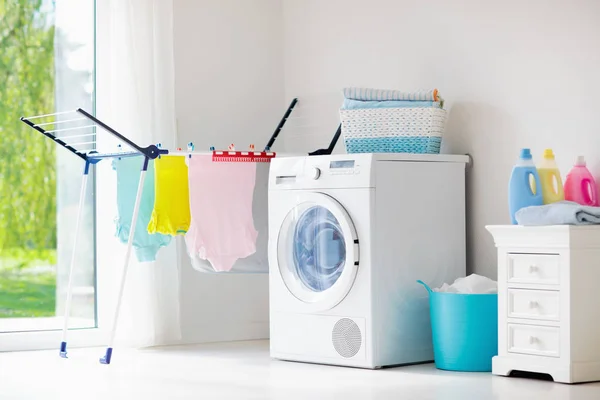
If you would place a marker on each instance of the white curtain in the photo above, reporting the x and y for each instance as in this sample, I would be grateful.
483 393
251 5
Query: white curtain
135 92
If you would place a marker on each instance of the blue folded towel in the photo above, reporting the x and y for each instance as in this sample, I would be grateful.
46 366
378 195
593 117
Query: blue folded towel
561 213
350 104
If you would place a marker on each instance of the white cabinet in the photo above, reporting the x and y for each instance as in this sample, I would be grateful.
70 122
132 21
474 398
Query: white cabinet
548 301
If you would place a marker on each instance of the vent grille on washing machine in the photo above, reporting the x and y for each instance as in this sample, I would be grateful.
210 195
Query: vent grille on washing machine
346 337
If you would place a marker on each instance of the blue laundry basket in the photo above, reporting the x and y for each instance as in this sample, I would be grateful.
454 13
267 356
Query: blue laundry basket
464 330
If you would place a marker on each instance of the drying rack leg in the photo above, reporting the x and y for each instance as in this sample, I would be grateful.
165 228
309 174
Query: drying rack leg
108 355
63 344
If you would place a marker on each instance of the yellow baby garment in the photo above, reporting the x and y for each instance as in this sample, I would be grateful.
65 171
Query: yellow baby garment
171 213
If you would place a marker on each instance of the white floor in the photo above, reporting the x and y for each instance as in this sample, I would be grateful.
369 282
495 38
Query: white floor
243 370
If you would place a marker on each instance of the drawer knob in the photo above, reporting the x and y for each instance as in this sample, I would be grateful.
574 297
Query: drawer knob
533 268
532 339
533 304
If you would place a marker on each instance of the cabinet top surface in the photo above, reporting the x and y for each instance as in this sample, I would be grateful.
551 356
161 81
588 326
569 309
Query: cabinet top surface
543 228
587 236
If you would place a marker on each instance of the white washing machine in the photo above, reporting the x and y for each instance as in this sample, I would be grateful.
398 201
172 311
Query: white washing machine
349 235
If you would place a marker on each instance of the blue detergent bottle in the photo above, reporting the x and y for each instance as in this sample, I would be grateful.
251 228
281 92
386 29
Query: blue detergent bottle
523 178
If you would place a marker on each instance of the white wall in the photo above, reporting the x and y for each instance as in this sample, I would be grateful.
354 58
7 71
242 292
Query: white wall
514 74
229 89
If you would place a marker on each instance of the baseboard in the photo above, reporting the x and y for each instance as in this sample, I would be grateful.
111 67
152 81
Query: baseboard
225 333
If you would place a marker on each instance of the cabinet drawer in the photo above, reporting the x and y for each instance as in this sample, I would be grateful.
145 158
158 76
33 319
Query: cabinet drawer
534 304
535 340
541 269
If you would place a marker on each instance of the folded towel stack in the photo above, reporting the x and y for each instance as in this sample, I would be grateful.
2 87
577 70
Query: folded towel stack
560 213
392 121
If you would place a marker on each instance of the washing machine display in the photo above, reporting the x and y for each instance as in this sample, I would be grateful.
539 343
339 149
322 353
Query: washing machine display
319 251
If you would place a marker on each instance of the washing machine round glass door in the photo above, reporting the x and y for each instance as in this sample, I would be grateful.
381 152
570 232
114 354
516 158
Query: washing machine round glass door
317 251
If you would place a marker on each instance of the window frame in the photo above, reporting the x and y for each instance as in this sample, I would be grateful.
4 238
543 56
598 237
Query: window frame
103 277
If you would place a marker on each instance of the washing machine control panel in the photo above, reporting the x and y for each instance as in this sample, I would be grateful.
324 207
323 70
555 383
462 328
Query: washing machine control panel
318 172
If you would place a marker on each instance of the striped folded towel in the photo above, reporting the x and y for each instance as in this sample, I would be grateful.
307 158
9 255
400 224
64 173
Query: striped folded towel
385 95
350 104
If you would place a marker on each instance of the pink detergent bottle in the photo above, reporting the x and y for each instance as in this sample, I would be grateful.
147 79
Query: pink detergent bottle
580 185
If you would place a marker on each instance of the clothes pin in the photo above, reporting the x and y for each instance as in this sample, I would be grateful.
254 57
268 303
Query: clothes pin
108 355
63 344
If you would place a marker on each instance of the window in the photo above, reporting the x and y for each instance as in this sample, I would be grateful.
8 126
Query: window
46 65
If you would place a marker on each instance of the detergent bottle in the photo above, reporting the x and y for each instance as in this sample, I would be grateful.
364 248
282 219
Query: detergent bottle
580 185
549 175
524 188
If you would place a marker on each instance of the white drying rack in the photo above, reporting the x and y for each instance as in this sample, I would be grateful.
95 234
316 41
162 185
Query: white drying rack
77 131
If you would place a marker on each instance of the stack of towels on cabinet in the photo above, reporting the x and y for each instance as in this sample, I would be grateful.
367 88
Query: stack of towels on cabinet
560 213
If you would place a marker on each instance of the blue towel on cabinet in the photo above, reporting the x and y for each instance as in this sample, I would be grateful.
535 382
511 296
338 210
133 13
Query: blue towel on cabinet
561 213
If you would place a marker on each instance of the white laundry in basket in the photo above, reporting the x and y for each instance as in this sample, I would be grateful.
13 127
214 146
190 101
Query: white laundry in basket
472 284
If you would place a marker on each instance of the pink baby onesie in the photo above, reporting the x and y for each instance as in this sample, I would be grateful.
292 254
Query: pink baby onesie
222 228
